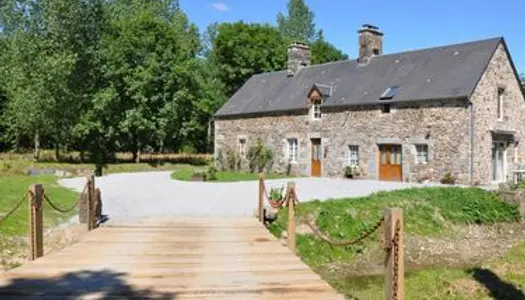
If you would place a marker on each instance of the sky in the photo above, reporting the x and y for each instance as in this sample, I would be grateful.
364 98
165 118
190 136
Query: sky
407 24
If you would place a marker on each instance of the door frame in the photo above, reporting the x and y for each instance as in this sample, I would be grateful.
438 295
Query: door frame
378 151
504 161
320 156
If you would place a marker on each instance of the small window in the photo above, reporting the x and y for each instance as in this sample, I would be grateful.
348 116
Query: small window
385 108
389 93
242 147
501 93
292 150
353 155
421 154
316 110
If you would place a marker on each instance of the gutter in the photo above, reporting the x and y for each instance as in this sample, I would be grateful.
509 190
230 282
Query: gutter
472 127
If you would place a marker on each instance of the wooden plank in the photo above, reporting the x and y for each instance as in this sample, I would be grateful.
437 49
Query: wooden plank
177 258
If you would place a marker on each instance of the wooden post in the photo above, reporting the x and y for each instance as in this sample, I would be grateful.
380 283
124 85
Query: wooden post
291 216
392 216
91 202
98 204
36 226
261 198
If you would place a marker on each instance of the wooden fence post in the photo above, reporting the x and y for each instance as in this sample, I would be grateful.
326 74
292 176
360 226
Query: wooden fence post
91 202
98 204
261 198
36 226
394 283
291 216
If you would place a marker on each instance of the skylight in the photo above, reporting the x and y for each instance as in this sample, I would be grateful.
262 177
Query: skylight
389 93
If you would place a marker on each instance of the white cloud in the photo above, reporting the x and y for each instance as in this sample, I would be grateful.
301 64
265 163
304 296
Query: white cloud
220 6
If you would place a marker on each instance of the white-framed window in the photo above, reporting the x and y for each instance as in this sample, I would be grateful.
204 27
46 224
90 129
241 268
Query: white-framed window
316 110
242 147
501 95
292 150
353 155
421 153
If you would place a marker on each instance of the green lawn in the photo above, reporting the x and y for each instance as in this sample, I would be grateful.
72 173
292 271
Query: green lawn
428 212
223 176
12 189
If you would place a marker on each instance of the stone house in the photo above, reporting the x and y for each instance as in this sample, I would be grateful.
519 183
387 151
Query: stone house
408 116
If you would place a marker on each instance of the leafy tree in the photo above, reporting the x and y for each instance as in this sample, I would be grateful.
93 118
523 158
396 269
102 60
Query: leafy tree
323 51
298 24
242 50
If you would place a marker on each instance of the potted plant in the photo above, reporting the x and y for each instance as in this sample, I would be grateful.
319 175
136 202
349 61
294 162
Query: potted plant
276 197
351 171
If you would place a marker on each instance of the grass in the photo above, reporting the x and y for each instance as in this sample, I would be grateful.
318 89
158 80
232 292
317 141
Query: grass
185 174
12 189
498 278
429 212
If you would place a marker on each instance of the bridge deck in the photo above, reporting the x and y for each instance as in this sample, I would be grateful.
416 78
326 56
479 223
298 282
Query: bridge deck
177 258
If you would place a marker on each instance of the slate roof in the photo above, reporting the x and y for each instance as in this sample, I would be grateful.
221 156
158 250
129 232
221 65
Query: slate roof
444 72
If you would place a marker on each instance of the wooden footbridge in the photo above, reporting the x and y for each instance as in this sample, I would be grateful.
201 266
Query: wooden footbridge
183 257
176 258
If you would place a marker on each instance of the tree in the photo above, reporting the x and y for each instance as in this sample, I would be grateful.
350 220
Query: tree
298 24
323 51
242 50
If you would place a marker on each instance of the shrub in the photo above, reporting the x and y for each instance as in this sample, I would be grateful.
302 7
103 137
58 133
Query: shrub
276 194
231 159
211 173
351 171
259 156
448 178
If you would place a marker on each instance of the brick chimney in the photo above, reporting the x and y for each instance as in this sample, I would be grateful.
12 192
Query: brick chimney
299 57
370 43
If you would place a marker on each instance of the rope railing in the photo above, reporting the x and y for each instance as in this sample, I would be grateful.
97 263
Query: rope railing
14 209
36 197
391 236
70 208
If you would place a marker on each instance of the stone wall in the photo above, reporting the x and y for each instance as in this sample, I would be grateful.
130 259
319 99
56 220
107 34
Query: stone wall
443 125
499 74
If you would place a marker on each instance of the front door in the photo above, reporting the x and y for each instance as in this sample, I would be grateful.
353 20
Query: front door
498 161
316 157
390 160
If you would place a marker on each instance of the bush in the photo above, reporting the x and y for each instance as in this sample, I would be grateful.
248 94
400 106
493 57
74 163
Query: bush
448 178
231 158
259 156
276 194
351 171
211 173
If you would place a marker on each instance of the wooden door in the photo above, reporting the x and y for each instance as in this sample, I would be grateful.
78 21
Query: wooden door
316 157
390 162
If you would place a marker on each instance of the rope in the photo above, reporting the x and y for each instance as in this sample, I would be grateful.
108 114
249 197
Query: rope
15 208
65 210
326 239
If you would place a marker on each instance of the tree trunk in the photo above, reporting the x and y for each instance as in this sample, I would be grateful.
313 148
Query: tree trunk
137 155
36 153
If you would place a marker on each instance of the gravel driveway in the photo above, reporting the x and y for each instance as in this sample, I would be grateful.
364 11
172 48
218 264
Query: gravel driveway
156 194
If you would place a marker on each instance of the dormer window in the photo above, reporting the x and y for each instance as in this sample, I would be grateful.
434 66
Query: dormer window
316 109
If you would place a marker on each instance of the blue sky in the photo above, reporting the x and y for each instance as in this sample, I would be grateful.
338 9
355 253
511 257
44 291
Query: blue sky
407 24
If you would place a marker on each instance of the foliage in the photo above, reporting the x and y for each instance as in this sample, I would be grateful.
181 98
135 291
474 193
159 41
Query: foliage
211 173
259 156
276 194
241 50
351 171
298 24
448 178
323 51
232 159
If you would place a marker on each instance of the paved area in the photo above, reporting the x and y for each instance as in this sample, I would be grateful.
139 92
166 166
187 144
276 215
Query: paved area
178 258
156 194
